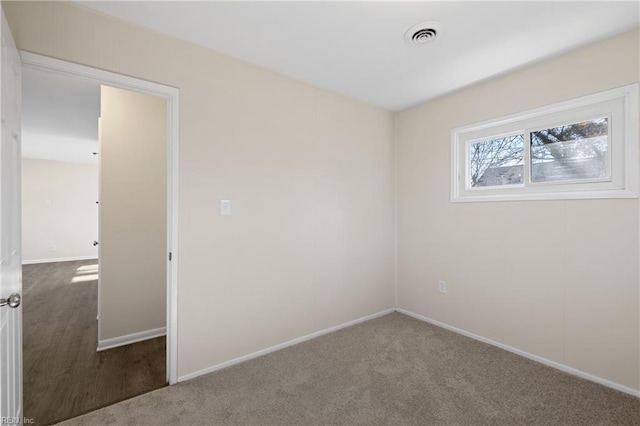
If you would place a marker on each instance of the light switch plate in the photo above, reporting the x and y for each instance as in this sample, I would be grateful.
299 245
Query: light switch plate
225 207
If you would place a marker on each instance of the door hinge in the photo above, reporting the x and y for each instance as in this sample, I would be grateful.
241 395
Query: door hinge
170 256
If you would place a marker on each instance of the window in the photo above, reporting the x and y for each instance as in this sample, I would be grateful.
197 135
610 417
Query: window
582 148
497 161
574 151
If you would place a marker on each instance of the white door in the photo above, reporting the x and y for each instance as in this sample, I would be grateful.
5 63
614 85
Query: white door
10 232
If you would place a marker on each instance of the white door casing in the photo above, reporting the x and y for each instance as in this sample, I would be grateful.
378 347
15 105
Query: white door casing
10 230
98 213
171 94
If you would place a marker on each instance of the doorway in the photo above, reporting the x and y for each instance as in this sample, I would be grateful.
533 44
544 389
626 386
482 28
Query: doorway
119 359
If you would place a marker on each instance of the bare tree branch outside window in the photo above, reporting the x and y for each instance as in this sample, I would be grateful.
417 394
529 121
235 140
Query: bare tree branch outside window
491 156
573 151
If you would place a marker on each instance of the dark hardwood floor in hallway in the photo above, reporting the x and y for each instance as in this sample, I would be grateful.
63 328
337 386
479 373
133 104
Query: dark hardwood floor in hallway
64 375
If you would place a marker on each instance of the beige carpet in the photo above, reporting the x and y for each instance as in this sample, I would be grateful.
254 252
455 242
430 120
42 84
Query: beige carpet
392 370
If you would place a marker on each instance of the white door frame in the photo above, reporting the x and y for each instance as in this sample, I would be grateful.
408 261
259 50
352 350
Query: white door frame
56 66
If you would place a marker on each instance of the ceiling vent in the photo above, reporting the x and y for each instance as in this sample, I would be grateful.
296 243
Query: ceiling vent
423 33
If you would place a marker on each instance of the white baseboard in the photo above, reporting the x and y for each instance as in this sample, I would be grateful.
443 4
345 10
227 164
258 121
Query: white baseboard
547 362
59 259
282 346
131 338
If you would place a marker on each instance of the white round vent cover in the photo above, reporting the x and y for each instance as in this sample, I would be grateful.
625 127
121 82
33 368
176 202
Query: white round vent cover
422 33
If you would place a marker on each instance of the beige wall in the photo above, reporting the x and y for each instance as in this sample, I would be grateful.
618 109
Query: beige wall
59 211
133 213
558 279
310 174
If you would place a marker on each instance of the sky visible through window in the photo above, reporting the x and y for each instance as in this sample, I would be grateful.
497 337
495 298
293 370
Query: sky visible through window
569 152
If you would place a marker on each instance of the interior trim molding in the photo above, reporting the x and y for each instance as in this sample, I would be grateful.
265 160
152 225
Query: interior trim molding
128 339
541 360
172 96
275 348
58 259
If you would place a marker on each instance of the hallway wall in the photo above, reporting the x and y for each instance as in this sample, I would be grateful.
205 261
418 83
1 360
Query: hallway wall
59 211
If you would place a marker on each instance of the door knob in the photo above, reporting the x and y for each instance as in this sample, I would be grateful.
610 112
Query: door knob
95 243
13 301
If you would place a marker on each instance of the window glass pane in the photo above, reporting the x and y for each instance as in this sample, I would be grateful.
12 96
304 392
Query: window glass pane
497 162
571 152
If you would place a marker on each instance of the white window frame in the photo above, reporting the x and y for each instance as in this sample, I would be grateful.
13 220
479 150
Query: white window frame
619 105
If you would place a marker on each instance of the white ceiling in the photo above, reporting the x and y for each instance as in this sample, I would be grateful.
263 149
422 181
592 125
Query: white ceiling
59 118
358 49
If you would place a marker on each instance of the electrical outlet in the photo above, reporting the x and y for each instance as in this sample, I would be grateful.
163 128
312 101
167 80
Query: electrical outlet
54 247
442 286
